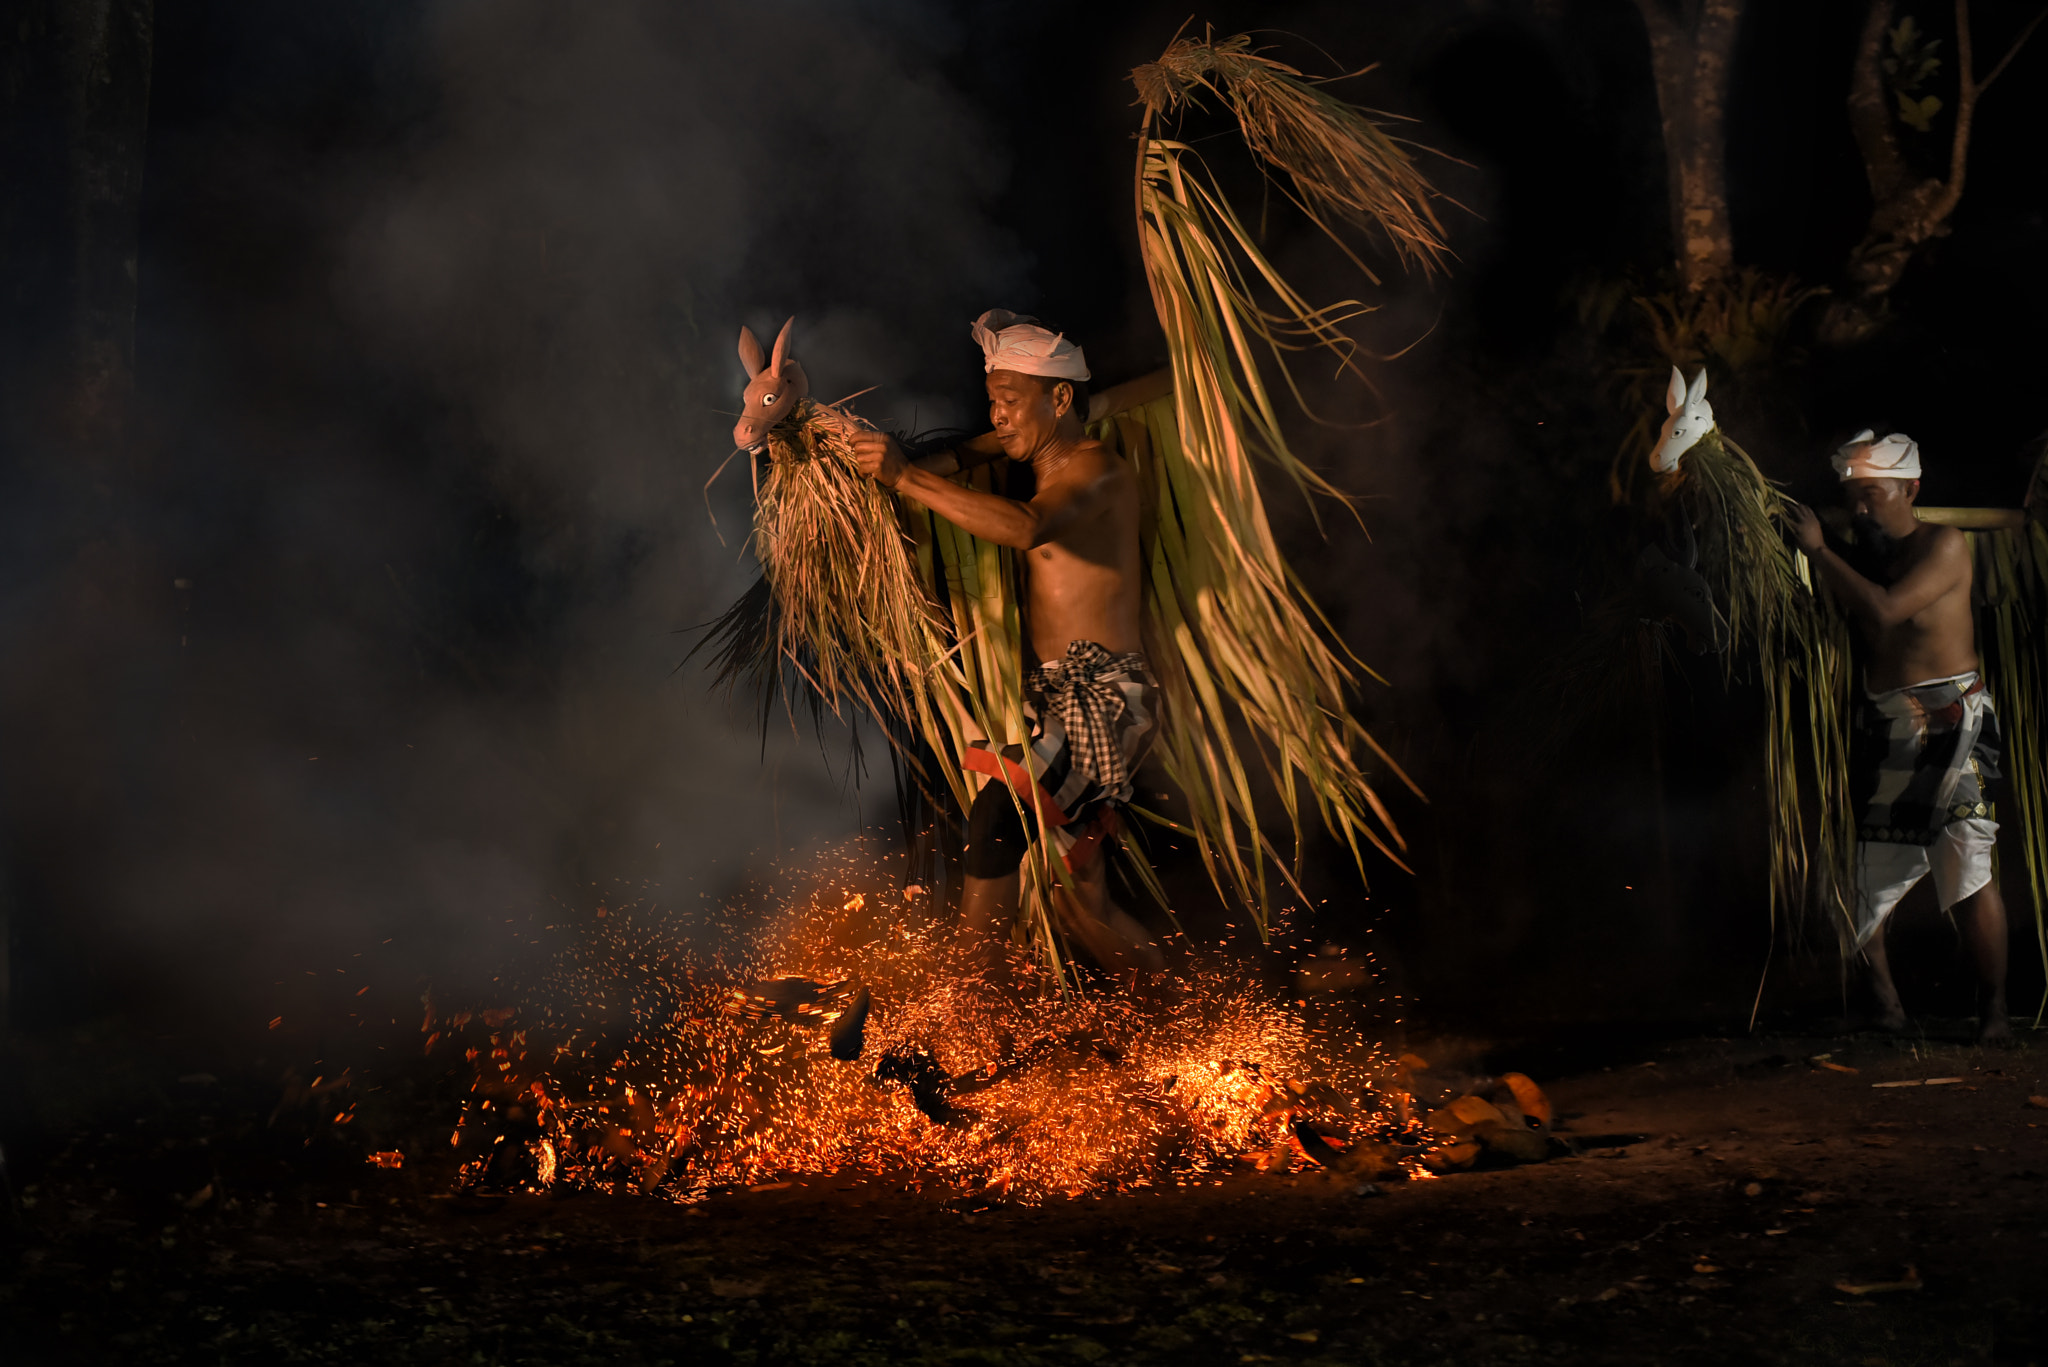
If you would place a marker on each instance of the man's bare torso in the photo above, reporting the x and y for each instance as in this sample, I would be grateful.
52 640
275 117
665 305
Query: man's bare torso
1937 642
1086 583
1077 537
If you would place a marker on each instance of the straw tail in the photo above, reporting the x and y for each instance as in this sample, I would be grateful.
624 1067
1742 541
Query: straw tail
1238 645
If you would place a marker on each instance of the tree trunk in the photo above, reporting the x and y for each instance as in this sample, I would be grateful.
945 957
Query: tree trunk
1692 46
1905 214
106 72
1870 108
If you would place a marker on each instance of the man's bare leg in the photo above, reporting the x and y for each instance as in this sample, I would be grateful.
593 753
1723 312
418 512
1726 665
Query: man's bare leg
988 908
1110 934
1891 1014
1981 919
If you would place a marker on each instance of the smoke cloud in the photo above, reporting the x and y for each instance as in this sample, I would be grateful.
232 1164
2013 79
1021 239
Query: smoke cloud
436 358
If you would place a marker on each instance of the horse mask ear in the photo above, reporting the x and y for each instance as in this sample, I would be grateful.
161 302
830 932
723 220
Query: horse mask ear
750 352
1674 396
1699 387
781 347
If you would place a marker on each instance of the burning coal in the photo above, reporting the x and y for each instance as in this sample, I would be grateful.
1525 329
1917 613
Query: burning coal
847 1033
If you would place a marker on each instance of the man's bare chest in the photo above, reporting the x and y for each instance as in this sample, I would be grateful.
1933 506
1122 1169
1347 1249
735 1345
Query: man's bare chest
1102 543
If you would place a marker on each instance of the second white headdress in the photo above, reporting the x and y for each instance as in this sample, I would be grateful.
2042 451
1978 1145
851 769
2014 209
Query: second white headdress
1869 456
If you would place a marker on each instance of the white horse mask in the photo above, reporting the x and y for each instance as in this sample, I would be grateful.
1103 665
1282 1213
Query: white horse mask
1692 417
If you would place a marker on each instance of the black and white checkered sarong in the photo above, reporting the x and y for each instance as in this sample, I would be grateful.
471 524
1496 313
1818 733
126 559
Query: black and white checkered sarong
1093 716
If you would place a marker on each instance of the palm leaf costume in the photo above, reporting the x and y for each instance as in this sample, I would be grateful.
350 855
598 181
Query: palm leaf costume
1255 685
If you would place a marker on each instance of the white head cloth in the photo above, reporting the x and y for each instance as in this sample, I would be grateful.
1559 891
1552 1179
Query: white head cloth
1868 456
1014 341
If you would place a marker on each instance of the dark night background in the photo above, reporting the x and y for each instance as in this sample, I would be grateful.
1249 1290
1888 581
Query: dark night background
369 631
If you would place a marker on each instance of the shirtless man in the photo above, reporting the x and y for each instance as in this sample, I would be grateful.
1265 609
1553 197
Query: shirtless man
1091 702
1924 738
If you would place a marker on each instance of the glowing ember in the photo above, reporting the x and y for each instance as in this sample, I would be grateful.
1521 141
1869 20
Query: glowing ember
389 1158
642 1067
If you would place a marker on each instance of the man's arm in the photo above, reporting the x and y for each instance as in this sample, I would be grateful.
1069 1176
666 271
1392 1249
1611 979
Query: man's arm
968 455
1939 572
1005 521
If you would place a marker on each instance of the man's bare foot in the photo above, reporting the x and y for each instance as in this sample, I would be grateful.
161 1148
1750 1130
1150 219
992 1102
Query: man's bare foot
1891 1012
1993 1025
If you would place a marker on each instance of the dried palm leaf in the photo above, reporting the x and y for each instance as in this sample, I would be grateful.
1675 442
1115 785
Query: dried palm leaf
1342 168
1233 634
842 620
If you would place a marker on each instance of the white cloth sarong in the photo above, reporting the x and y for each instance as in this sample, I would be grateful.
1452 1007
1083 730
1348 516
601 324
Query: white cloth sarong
1919 759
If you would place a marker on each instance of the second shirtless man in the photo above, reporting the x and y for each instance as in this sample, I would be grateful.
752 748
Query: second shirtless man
1924 738
1091 701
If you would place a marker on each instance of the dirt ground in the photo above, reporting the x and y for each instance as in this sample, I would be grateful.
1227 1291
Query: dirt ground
1737 1189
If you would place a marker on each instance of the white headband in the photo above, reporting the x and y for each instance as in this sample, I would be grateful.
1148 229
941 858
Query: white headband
1867 456
1013 341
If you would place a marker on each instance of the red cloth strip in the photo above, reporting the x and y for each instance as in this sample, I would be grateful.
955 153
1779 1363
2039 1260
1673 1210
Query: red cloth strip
1100 827
984 761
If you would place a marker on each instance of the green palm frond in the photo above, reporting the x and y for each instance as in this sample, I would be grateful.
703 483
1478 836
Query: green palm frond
2012 587
1799 644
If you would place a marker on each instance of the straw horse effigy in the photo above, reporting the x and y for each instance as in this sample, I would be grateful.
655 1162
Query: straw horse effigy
875 604
1762 605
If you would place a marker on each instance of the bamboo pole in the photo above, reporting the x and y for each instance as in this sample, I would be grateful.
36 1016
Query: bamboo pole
1974 519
